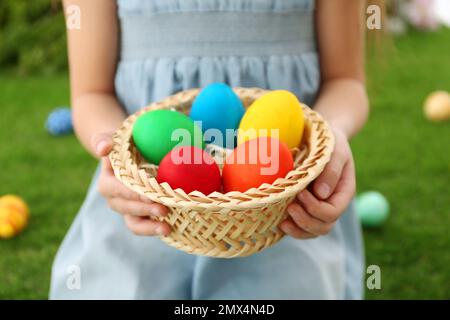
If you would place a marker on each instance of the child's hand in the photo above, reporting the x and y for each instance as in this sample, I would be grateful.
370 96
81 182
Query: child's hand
315 213
135 209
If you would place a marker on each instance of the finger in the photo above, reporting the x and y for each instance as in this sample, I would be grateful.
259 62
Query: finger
114 188
307 222
106 165
326 183
146 227
291 229
102 144
137 208
146 200
346 188
110 187
319 209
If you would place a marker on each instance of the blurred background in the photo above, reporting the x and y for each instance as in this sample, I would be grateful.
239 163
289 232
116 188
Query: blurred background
403 153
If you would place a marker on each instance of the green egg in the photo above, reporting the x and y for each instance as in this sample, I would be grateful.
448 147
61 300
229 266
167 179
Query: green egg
372 208
156 133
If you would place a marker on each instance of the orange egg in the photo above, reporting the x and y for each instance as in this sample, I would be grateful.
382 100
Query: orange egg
257 161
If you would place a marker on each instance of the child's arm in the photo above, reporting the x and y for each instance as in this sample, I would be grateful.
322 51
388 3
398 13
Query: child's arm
93 54
343 102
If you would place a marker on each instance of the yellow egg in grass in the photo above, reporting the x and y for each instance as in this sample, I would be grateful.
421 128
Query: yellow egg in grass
437 106
15 202
11 219
6 230
14 214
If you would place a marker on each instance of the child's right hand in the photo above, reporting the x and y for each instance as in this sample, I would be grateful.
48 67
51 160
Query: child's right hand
135 209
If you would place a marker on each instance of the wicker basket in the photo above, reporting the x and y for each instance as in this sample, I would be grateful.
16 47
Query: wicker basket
228 225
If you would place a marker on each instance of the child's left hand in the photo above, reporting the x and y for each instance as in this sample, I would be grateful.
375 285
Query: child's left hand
314 213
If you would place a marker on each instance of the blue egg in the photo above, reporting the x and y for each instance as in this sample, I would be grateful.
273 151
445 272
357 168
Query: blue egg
218 107
59 122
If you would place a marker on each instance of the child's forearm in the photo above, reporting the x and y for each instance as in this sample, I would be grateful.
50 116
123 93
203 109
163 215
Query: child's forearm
344 104
96 113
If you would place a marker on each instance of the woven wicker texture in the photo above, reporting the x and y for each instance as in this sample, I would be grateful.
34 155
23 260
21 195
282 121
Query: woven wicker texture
228 225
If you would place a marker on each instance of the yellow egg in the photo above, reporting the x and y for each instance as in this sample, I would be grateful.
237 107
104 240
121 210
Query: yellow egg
11 219
276 113
6 230
15 202
437 106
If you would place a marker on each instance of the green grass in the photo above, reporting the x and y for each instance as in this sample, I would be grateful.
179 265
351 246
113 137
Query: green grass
52 174
398 153
407 158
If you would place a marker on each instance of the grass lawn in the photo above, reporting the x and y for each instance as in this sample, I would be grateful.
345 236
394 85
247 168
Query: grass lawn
398 153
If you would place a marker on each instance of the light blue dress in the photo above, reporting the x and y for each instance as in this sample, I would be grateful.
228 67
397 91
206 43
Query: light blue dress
171 45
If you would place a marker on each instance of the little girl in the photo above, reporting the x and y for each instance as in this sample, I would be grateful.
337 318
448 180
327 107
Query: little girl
129 53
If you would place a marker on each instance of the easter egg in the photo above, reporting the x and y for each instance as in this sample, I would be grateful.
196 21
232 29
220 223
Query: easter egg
59 122
15 202
277 112
14 215
6 230
218 107
157 132
372 208
254 162
437 106
12 222
190 168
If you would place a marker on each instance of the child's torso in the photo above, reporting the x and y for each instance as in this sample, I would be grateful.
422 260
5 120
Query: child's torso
172 45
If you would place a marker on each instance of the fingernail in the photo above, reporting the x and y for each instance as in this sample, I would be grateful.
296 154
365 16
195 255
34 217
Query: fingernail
157 212
302 196
160 230
154 212
100 146
145 199
323 191
291 210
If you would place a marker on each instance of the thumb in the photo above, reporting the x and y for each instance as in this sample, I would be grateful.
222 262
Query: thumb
102 144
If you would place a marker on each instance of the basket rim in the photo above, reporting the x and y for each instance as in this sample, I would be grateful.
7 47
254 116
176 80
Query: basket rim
126 169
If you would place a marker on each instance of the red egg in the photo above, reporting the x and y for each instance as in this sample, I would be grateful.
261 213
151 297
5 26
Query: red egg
257 161
190 168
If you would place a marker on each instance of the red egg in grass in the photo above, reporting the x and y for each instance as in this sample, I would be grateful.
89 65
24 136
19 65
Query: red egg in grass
254 162
190 168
